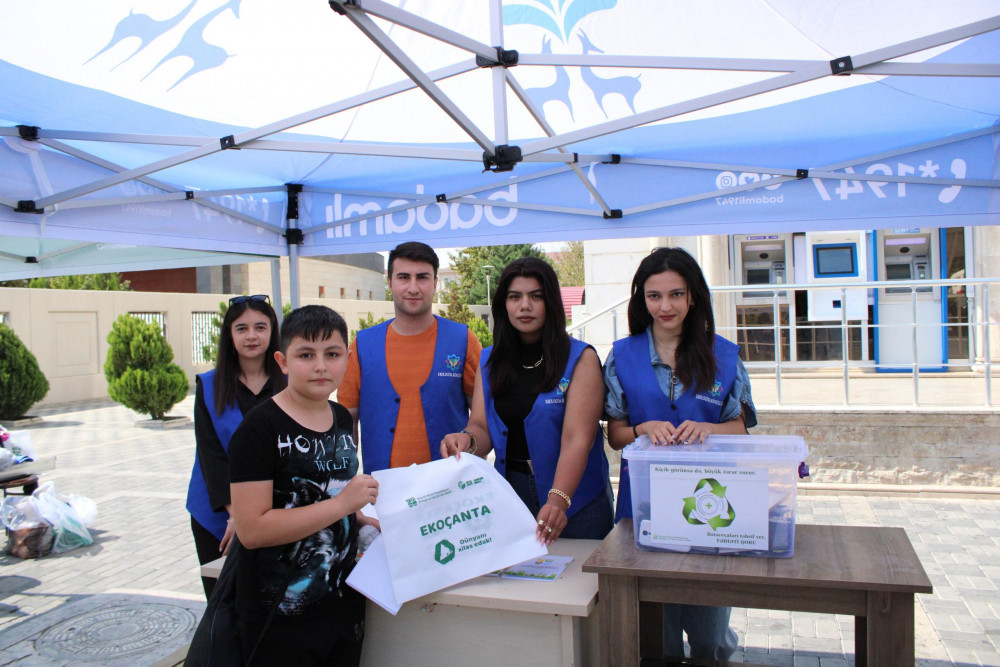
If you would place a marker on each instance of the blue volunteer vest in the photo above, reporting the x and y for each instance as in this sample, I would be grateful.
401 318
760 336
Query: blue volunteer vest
225 425
646 400
543 431
442 394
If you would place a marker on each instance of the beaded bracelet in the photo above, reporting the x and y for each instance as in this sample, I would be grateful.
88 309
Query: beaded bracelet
472 442
563 495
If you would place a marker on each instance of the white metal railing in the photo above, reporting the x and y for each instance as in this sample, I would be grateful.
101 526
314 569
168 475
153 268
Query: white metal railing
975 330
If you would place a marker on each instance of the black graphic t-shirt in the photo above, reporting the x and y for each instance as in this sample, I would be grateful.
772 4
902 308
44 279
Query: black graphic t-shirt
306 467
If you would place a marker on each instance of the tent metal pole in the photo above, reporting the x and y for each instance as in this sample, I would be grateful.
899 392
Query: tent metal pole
539 116
276 287
368 27
214 146
500 129
775 83
748 64
293 235
423 26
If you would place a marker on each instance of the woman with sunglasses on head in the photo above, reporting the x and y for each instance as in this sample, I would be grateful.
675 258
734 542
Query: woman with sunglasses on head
245 374
677 382
537 403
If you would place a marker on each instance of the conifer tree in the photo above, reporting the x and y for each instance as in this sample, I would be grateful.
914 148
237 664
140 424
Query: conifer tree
139 368
22 383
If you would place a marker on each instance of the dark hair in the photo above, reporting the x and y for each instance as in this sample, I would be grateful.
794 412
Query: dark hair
227 363
504 360
415 251
694 357
311 323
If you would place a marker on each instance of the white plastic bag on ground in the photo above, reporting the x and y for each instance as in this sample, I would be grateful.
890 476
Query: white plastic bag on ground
70 529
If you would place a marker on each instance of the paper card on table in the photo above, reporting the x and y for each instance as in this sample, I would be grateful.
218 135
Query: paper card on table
448 521
370 577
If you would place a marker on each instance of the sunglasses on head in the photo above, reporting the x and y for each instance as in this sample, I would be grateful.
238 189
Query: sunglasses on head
236 300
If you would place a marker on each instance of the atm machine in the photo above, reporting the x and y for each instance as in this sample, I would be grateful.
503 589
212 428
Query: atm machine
763 260
909 254
836 257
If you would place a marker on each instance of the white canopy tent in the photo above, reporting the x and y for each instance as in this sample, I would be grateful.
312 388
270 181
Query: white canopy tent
208 126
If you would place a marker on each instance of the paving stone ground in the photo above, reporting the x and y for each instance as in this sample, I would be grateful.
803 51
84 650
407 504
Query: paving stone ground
142 564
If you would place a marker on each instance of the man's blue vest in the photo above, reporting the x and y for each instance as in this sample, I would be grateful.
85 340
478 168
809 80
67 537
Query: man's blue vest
646 400
442 395
225 425
543 431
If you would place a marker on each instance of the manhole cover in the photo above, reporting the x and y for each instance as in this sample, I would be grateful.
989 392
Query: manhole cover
115 632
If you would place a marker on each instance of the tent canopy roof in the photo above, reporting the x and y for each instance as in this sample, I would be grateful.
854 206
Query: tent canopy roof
631 121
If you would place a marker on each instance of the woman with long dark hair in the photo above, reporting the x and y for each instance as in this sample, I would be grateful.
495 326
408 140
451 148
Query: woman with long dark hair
674 380
537 403
245 374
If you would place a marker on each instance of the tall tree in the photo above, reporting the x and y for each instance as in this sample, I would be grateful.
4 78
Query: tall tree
471 262
569 265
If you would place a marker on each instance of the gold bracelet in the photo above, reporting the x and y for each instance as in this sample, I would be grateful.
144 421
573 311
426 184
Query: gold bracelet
563 495
472 443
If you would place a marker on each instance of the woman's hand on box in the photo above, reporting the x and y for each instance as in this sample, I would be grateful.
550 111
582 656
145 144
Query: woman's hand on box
690 432
660 433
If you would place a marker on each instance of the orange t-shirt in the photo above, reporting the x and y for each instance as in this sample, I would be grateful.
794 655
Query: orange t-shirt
409 359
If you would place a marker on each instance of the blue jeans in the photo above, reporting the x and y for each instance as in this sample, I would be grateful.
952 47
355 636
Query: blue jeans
592 522
707 629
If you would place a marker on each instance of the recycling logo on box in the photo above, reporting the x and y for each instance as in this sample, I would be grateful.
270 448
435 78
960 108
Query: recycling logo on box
709 505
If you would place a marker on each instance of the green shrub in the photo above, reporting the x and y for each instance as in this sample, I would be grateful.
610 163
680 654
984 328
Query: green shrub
22 383
365 323
482 331
139 368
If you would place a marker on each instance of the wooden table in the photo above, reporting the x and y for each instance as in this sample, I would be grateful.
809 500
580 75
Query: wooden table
489 621
870 573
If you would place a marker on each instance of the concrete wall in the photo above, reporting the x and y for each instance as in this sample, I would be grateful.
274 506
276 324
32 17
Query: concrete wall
67 330
906 447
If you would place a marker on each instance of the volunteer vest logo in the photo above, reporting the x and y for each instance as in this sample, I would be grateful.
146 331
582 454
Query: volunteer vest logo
562 386
191 46
709 505
561 20
716 390
444 552
453 362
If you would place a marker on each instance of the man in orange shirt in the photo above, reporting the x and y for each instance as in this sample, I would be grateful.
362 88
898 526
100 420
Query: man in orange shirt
409 380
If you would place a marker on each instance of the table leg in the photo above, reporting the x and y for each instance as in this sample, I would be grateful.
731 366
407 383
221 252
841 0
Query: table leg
890 629
651 629
619 600
860 641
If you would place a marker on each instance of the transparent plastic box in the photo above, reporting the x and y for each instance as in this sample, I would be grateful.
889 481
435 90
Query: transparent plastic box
733 494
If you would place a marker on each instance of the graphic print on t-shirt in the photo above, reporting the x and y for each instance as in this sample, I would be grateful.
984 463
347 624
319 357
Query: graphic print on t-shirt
312 467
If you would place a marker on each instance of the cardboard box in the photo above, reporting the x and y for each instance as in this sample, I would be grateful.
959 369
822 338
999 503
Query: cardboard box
734 494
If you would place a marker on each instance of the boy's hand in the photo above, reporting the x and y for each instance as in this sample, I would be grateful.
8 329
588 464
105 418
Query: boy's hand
361 490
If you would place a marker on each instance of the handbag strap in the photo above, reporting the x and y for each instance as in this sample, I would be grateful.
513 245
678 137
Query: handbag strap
276 603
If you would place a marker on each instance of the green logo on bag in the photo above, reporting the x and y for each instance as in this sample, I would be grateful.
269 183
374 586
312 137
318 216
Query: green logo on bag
412 502
709 505
444 552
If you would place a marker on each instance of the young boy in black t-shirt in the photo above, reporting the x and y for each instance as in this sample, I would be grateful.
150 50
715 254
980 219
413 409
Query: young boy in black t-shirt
296 493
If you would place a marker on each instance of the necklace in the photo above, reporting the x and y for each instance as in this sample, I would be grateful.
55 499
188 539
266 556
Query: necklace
536 364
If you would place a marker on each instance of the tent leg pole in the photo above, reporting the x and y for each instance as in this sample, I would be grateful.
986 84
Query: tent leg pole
276 287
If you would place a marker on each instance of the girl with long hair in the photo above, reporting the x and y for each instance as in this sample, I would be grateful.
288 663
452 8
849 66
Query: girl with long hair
245 374
674 380
537 403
